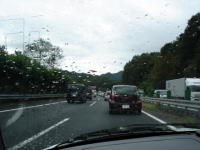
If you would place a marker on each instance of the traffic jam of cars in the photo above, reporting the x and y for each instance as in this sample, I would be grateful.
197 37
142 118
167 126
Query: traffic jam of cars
121 98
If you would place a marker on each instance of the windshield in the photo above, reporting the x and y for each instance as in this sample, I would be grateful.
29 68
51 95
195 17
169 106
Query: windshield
163 92
195 88
125 90
66 66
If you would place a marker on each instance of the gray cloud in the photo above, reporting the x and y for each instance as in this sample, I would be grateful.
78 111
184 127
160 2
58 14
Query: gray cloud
98 32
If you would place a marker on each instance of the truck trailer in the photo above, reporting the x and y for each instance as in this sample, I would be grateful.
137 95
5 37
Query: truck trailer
178 87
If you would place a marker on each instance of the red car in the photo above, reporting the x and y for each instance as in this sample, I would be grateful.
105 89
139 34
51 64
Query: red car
125 98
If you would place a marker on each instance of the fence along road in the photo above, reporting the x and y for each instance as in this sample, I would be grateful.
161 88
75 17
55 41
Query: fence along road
183 104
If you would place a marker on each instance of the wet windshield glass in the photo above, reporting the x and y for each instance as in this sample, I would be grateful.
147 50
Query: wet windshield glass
163 92
195 88
67 67
125 90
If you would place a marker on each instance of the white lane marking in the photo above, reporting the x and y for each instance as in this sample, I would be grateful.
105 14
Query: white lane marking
15 117
159 120
28 107
23 143
153 117
92 103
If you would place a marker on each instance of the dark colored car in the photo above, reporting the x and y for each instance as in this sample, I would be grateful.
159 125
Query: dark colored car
125 98
76 92
89 93
107 95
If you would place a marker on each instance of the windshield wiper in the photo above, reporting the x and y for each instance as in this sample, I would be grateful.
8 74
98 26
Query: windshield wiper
114 134
136 130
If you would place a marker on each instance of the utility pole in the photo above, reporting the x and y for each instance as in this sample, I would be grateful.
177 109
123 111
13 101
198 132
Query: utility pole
10 34
23 29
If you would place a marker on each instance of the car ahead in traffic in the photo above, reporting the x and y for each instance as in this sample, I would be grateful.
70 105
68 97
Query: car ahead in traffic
94 93
101 93
89 93
107 95
162 93
125 98
76 93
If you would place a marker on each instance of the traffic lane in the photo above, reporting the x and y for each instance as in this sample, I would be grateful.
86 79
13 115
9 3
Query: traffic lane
28 103
34 120
98 117
92 118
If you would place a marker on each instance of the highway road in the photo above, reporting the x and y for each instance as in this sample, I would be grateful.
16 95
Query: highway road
37 125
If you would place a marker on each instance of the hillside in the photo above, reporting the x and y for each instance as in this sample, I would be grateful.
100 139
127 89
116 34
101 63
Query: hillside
116 76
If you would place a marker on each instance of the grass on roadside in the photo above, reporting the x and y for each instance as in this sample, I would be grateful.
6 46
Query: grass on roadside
150 106
166 115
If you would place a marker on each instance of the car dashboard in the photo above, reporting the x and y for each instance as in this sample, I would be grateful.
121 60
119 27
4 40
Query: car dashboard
188 141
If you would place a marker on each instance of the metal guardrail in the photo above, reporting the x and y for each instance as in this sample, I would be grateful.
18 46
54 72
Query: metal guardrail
183 104
29 96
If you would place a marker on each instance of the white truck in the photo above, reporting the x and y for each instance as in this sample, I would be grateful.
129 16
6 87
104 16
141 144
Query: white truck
162 93
178 87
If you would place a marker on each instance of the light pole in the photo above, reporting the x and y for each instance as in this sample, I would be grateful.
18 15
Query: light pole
9 34
23 28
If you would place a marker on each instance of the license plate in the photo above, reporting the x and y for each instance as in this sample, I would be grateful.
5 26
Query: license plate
74 94
125 106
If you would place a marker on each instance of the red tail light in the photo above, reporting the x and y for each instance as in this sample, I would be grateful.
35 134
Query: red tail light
138 100
114 97
137 97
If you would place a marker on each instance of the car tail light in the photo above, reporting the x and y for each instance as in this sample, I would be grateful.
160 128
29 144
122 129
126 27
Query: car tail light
138 99
114 97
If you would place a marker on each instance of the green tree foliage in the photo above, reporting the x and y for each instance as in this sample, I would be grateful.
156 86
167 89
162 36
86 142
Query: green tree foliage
21 74
177 59
44 52
92 80
139 68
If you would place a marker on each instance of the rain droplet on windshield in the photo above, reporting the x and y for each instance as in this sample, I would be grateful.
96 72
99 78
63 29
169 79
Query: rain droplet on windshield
55 82
92 70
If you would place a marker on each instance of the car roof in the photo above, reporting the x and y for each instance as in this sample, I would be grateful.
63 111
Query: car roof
160 90
124 86
77 84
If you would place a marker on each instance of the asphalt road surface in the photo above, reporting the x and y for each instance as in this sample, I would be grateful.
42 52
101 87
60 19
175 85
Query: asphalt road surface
38 125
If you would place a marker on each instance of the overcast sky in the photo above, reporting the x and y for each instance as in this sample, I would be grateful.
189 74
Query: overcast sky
96 34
